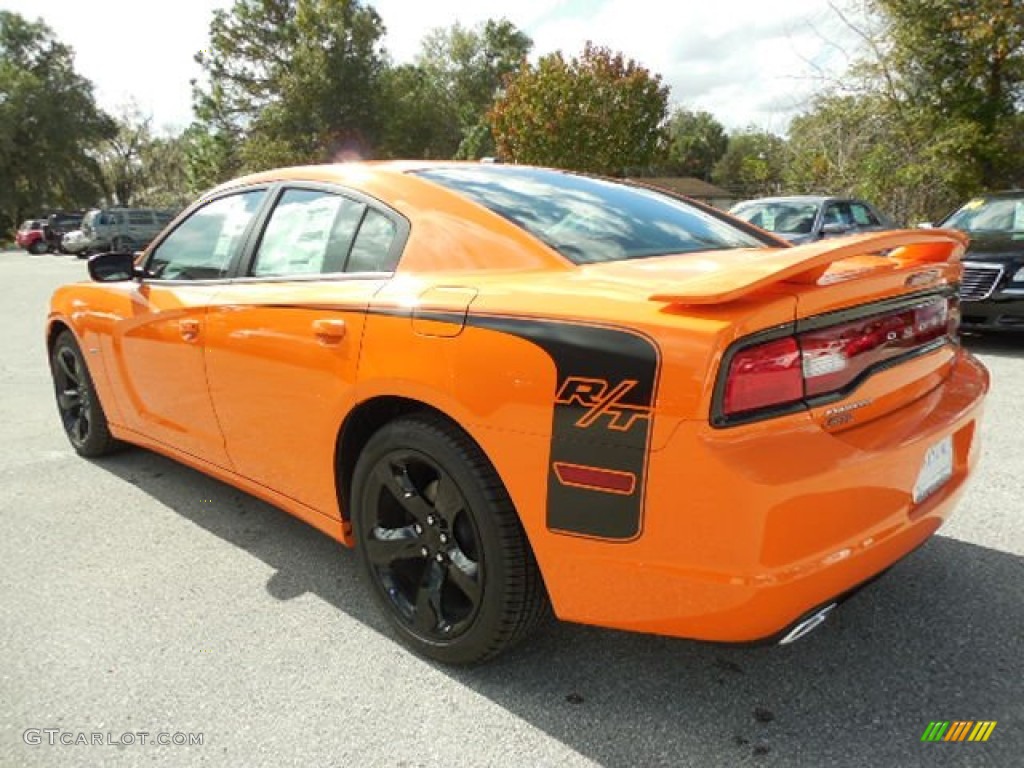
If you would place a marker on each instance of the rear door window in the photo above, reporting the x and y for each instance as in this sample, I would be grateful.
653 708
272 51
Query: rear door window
309 232
863 216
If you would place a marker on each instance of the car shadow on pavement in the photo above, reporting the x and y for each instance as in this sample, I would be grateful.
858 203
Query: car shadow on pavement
940 637
999 344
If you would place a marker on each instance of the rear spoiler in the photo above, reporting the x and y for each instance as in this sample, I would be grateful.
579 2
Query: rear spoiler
807 264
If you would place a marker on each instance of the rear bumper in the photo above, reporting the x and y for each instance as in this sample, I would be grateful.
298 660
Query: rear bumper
1000 313
746 530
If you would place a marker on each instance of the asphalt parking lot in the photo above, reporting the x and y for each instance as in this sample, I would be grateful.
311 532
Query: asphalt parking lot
142 597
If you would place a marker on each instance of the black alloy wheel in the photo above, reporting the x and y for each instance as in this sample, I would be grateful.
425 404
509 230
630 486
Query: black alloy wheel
441 543
80 410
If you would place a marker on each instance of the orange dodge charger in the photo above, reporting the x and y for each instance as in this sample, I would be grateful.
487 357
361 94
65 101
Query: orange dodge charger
510 388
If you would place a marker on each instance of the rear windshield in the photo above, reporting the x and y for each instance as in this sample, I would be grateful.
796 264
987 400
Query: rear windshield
590 220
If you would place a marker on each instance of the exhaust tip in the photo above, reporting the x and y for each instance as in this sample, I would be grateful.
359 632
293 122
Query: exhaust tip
808 625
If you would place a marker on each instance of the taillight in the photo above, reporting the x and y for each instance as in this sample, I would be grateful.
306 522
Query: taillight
762 376
824 361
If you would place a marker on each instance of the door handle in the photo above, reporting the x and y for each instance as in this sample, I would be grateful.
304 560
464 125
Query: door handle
329 331
189 329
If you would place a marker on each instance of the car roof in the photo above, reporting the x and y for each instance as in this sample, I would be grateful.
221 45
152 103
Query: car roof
435 209
819 199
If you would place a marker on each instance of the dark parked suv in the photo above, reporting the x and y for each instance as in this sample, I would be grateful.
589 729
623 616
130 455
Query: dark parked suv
58 225
992 290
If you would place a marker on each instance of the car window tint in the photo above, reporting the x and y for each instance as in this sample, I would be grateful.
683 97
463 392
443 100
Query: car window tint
838 213
863 216
140 217
309 232
592 220
788 218
371 251
203 246
1000 214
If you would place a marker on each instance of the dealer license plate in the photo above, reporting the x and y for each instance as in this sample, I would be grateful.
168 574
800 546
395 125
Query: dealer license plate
936 469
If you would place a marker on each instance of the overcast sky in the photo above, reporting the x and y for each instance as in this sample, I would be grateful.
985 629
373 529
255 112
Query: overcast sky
745 61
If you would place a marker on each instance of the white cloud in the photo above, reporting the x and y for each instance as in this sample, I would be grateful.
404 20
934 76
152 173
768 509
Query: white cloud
745 61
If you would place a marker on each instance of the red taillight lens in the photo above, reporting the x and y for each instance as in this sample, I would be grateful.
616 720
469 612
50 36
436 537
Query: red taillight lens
833 357
823 362
764 375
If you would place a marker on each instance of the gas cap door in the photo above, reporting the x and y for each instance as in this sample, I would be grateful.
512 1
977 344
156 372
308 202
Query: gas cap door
441 310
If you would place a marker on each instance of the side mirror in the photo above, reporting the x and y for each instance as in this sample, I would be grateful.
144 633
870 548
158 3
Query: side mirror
834 229
113 267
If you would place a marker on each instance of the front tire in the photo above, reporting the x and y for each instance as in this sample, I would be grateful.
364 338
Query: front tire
441 543
80 410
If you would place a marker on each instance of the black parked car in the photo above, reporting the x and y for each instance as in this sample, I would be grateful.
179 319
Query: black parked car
58 225
992 291
806 218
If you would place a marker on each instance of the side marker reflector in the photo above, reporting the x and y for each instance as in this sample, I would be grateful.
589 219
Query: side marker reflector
595 478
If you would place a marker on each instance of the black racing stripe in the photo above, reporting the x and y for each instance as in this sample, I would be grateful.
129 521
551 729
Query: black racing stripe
602 412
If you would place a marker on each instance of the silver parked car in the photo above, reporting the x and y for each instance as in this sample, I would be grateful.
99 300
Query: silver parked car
75 242
805 218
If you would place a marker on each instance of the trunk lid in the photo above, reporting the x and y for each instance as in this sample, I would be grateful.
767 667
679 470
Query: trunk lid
874 318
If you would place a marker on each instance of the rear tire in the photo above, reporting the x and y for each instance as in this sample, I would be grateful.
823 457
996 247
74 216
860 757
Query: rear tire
37 247
441 544
80 409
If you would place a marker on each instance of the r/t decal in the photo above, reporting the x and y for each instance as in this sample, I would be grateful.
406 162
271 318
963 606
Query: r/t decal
599 398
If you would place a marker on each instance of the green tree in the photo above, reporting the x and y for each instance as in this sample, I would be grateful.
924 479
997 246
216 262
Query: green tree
48 124
437 107
930 115
694 142
165 183
753 164
866 146
139 168
209 157
466 69
120 156
416 121
960 61
597 113
290 81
